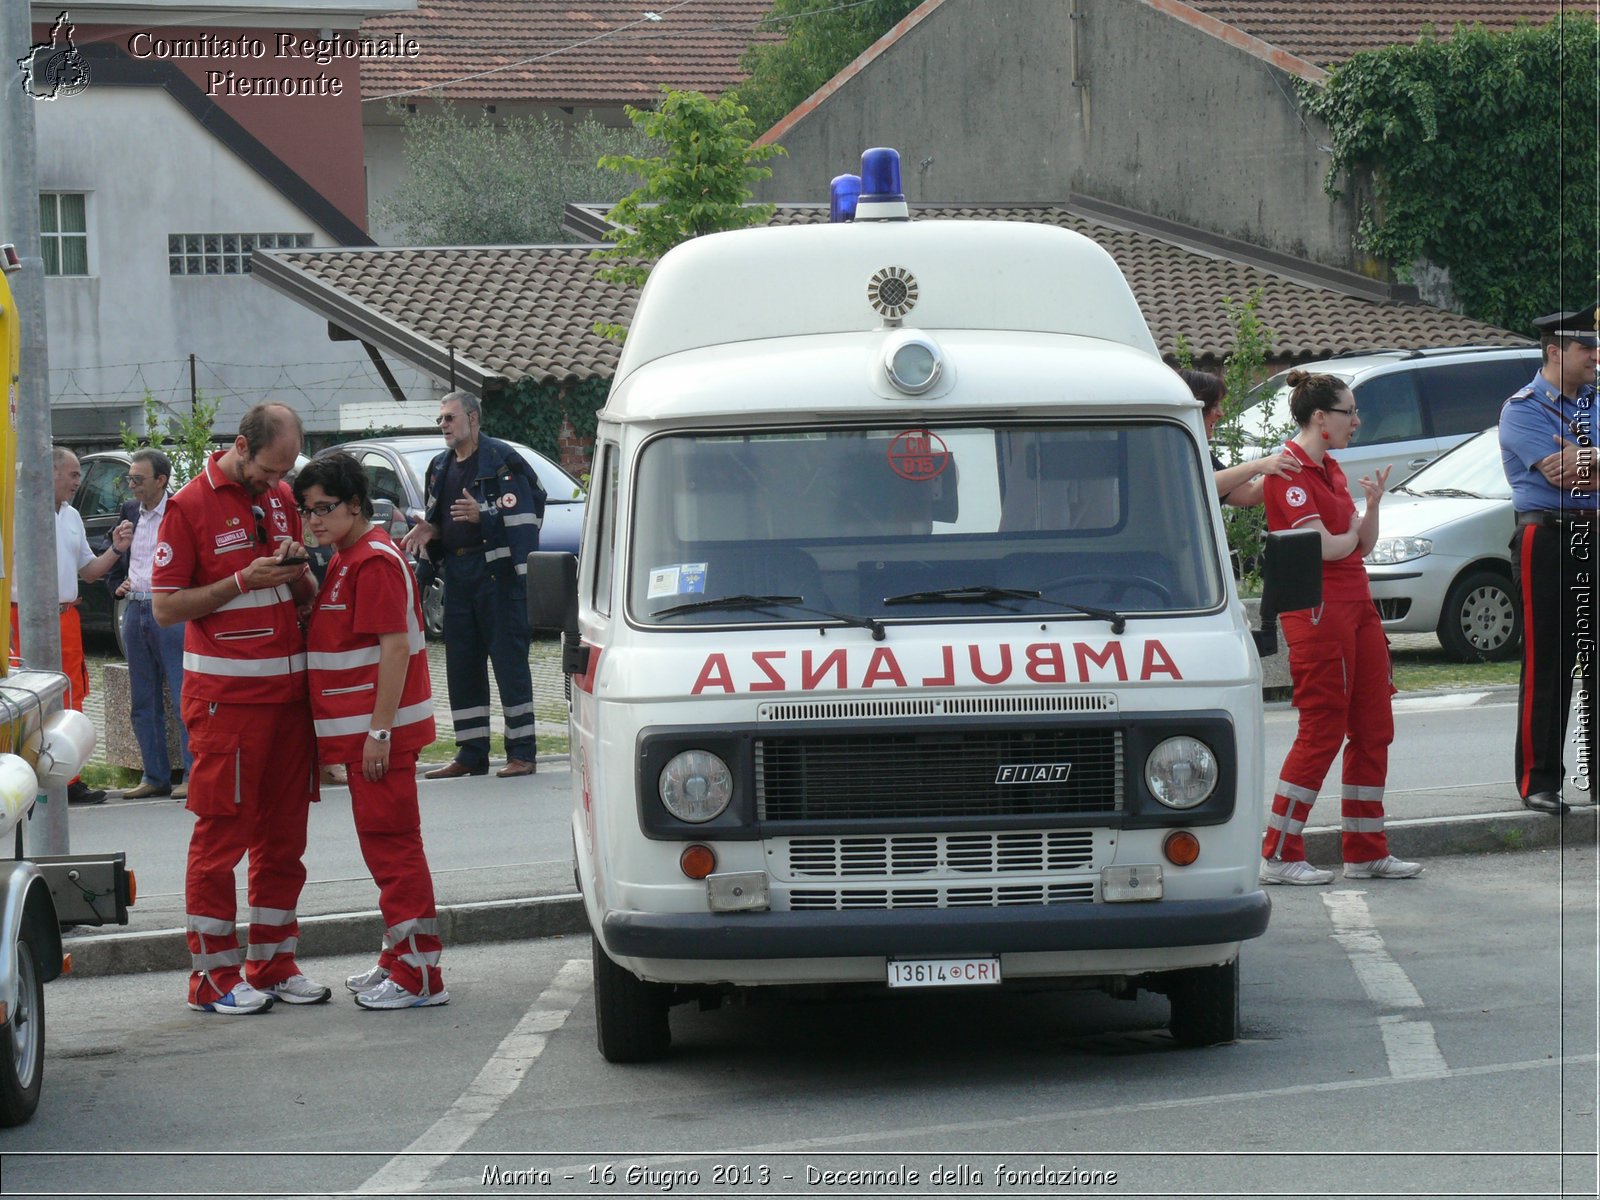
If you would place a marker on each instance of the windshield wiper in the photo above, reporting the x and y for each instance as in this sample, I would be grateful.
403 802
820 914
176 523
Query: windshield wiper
985 594
1454 493
797 602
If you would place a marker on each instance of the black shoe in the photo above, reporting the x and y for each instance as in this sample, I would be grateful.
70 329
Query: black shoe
1546 802
79 792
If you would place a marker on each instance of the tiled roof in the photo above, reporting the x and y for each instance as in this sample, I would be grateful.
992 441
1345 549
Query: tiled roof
597 52
1326 34
529 311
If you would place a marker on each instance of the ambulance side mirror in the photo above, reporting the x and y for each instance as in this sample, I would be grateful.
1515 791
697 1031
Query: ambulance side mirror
553 604
1291 579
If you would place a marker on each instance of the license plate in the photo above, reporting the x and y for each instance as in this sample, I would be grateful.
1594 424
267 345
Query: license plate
943 972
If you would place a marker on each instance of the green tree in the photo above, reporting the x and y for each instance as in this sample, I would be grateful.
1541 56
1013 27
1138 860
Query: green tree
699 182
185 439
1482 149
485 182
821 37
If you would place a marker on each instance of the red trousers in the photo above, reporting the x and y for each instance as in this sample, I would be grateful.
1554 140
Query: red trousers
1339 661
389 828
250 789
72 664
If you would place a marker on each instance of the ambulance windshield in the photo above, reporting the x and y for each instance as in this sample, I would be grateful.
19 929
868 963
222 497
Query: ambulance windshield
962 519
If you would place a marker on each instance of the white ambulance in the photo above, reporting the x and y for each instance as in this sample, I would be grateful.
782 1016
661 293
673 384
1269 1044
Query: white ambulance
903 646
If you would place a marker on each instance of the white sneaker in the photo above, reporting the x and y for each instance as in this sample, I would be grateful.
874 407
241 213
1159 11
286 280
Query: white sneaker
367 980
297 989
390 994
1387 867
241 1002
1298 871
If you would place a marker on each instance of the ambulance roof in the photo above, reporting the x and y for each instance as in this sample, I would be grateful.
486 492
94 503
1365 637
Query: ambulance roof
798 281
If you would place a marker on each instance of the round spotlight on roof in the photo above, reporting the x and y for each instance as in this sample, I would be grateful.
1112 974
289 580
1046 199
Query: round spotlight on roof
913 362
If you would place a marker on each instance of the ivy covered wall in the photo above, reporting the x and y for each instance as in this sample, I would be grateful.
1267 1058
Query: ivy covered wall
534 413
1483 151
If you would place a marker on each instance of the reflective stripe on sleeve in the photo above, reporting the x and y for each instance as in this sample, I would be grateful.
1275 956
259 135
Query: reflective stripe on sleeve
367 656
361 722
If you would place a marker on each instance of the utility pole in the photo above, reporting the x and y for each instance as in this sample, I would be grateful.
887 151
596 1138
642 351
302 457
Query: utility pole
34 557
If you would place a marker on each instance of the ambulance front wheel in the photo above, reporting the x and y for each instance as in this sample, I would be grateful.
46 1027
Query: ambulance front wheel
22 1042
1205 1005
631 1022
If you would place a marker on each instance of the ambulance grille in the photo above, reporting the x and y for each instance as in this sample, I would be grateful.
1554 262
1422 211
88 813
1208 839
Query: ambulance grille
948 706
1029 852
904 776
943 897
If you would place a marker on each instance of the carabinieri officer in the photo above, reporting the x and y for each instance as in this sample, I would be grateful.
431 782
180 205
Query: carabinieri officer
1547 443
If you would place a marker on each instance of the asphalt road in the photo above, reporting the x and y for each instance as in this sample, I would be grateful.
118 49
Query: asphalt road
1434 1036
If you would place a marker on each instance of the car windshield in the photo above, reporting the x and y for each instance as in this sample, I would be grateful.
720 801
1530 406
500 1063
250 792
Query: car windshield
1474 468
558 485
998 521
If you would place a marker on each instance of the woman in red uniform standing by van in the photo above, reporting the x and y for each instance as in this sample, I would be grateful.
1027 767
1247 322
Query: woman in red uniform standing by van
1338 655
372 703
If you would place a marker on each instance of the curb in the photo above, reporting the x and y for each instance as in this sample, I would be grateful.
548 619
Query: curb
339 933
1479 833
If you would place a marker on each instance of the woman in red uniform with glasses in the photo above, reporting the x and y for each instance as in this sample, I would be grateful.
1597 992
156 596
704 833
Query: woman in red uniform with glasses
1338 655
372 703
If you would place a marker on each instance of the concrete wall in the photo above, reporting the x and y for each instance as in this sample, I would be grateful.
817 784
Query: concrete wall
150 170
1169 120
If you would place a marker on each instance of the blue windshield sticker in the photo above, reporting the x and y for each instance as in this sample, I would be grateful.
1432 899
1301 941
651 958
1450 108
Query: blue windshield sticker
680 579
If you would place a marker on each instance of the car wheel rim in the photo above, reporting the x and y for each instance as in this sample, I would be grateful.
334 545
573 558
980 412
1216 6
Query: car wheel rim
1487 618
24 1043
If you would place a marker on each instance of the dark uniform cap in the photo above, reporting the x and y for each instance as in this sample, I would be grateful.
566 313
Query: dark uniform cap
1582 326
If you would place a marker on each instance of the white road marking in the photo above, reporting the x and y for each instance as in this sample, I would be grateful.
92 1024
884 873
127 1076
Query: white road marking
1412 1048
496 1083
1386 984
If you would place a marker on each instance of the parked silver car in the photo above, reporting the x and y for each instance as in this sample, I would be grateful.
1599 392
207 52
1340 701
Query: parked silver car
395 467
1414 404
1442 562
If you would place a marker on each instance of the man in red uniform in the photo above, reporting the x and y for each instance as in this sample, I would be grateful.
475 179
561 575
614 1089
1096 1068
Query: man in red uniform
230 562
373 705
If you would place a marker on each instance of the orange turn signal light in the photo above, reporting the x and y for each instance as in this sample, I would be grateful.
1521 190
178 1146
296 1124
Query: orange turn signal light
1181 847
697 861
133 889
66 964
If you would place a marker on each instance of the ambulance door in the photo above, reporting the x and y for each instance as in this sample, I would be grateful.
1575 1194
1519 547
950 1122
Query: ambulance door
599 606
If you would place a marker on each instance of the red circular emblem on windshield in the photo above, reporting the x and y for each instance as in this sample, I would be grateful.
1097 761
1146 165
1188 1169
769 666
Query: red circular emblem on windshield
918 455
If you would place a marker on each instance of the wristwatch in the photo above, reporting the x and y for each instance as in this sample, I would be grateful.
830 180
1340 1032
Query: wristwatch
378 735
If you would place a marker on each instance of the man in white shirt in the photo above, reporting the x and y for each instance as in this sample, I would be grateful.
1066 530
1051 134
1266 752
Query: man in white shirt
155 653
75 561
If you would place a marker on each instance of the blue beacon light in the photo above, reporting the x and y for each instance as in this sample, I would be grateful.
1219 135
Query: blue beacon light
842 195
881 197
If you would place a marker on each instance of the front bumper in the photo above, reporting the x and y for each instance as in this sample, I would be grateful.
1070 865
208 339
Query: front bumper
935 931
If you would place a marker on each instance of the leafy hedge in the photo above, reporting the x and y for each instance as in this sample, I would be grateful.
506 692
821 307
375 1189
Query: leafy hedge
531 413
1483 152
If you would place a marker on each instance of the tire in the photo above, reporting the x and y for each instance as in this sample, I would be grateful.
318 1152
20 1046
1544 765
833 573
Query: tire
1481 620
1205 1005
631 1022
433 609
22 1043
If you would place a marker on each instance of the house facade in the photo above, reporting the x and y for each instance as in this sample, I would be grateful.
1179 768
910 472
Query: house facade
1184 111
179 150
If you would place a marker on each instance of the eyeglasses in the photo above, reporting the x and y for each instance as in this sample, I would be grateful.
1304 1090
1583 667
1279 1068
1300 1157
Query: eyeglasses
320 510
1344 412
446 419
136 480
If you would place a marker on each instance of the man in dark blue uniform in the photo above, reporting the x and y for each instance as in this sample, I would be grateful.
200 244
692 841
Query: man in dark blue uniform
1547 443
484 509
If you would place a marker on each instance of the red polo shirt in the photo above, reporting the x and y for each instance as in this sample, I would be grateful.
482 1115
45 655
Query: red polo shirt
251 650
1319 493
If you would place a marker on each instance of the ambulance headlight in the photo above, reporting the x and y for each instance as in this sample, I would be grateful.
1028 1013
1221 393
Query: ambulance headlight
1181 772
696 786
913 363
